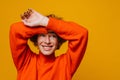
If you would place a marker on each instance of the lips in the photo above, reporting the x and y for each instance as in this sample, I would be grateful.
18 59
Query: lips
47 48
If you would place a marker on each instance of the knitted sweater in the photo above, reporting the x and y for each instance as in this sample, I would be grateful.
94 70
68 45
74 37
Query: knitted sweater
32 66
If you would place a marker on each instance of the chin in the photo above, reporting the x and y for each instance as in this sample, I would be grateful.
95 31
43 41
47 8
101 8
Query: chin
46 53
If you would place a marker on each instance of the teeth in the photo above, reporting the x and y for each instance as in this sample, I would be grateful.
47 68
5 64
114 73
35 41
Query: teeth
47 48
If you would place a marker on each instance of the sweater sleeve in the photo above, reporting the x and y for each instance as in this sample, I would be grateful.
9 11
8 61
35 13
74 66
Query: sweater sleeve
77 37
19 35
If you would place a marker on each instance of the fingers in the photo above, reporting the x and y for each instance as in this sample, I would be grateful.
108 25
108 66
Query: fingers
26 14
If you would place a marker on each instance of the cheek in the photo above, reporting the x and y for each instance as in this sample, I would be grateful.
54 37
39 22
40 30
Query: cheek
39 40
56 42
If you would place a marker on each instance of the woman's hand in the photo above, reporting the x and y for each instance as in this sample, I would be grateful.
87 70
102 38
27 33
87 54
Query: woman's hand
32 18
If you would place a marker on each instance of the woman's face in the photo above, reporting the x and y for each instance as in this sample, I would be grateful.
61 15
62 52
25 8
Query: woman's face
47 43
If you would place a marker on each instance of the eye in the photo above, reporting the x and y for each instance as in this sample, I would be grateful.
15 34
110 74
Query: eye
53 35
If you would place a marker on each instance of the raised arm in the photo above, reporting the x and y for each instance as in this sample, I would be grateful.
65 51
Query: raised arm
77 37
19 35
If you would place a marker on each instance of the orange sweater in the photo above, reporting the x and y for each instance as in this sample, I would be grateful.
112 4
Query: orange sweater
32 66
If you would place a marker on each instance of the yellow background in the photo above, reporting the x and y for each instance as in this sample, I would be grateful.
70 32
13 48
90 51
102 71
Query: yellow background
100 17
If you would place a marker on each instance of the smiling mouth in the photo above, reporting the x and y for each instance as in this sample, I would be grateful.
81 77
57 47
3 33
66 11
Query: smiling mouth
47 48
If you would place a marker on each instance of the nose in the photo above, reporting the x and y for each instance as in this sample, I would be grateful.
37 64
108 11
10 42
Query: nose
47 40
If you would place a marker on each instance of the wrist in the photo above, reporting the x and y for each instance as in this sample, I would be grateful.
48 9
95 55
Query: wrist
44 21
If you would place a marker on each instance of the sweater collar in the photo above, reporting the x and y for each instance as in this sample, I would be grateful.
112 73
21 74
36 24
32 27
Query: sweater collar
46 58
